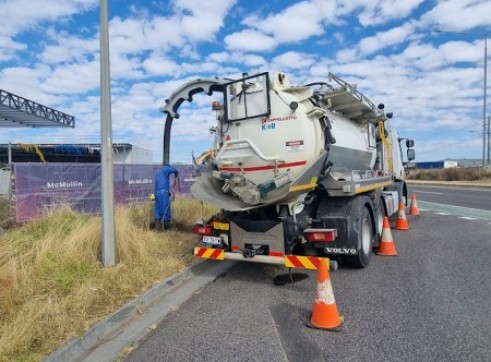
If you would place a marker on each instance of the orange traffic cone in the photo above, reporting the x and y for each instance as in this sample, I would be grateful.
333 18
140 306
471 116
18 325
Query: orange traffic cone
325 312
401 223
387 246
413 209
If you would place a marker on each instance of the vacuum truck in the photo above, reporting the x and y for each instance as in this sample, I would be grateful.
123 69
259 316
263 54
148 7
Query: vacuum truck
307 170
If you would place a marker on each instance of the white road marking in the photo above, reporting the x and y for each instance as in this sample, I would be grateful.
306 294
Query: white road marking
467 218
459 211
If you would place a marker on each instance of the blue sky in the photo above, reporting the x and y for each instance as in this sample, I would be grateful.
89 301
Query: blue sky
49 52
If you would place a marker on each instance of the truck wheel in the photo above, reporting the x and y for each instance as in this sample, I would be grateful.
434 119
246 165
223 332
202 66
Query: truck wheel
380 223
364 233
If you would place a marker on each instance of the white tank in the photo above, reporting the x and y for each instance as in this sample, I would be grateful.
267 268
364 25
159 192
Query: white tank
272 145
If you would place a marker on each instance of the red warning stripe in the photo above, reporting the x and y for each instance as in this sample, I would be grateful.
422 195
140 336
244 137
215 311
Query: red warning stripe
199 252
209 253
262 168
315 260
294 260
307 262
216 254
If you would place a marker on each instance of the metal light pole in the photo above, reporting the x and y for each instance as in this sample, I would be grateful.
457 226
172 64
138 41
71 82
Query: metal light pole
489 142
108 246
10 172
485 86
484 102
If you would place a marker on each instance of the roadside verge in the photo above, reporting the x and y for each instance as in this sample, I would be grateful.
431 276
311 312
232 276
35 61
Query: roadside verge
450 183
107 339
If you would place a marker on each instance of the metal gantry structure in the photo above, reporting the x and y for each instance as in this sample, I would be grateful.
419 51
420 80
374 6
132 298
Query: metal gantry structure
16 111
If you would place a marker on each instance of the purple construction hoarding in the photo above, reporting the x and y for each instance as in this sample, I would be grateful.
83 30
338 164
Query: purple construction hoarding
41 187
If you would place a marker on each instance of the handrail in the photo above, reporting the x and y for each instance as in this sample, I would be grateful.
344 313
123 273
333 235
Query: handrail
254 148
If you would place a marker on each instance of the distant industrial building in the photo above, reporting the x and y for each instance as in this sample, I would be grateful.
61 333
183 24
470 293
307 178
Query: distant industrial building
123 153
428 165
20 112
435 164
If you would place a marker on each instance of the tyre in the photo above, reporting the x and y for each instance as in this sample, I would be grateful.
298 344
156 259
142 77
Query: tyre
379 222
363 234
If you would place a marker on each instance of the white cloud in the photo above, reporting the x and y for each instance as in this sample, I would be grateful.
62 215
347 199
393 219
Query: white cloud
297 22
75 78
9 47
293 60
23 14
30 84
219 57
68 49
459 51
346 55
160 66
380 12
205 18
251 60
250 40
128 35
319 71
50 55
385 39
161 33
426 57
459 15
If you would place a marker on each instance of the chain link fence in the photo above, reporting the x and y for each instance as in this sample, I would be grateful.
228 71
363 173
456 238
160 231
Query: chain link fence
5 184
7 214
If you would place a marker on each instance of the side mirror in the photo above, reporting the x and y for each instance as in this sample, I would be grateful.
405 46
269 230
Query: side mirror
409 143
411 155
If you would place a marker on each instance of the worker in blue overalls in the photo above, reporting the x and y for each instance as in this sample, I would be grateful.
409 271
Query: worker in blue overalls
163 197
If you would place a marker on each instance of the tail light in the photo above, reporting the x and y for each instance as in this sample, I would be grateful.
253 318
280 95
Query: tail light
320 235
202 230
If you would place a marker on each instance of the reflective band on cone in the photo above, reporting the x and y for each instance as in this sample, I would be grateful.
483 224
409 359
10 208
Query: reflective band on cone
387 246
401 223
325 312
413 209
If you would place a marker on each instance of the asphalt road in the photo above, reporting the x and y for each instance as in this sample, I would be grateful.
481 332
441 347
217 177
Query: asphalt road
430 303
478 198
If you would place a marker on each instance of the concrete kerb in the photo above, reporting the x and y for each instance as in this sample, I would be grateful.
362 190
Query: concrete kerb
79 348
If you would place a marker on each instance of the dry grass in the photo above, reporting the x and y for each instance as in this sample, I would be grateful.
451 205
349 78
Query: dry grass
7 215
53 288
452 174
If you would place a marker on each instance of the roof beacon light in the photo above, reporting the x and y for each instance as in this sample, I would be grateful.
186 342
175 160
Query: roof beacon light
216 106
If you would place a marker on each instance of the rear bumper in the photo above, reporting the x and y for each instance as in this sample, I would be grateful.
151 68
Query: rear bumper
289 261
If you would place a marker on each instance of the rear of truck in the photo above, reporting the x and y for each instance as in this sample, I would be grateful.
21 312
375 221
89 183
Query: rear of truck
298 172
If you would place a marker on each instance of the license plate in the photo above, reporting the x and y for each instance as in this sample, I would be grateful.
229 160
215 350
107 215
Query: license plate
212 240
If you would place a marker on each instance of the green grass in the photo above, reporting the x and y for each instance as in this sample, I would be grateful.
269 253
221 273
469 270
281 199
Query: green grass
63 275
